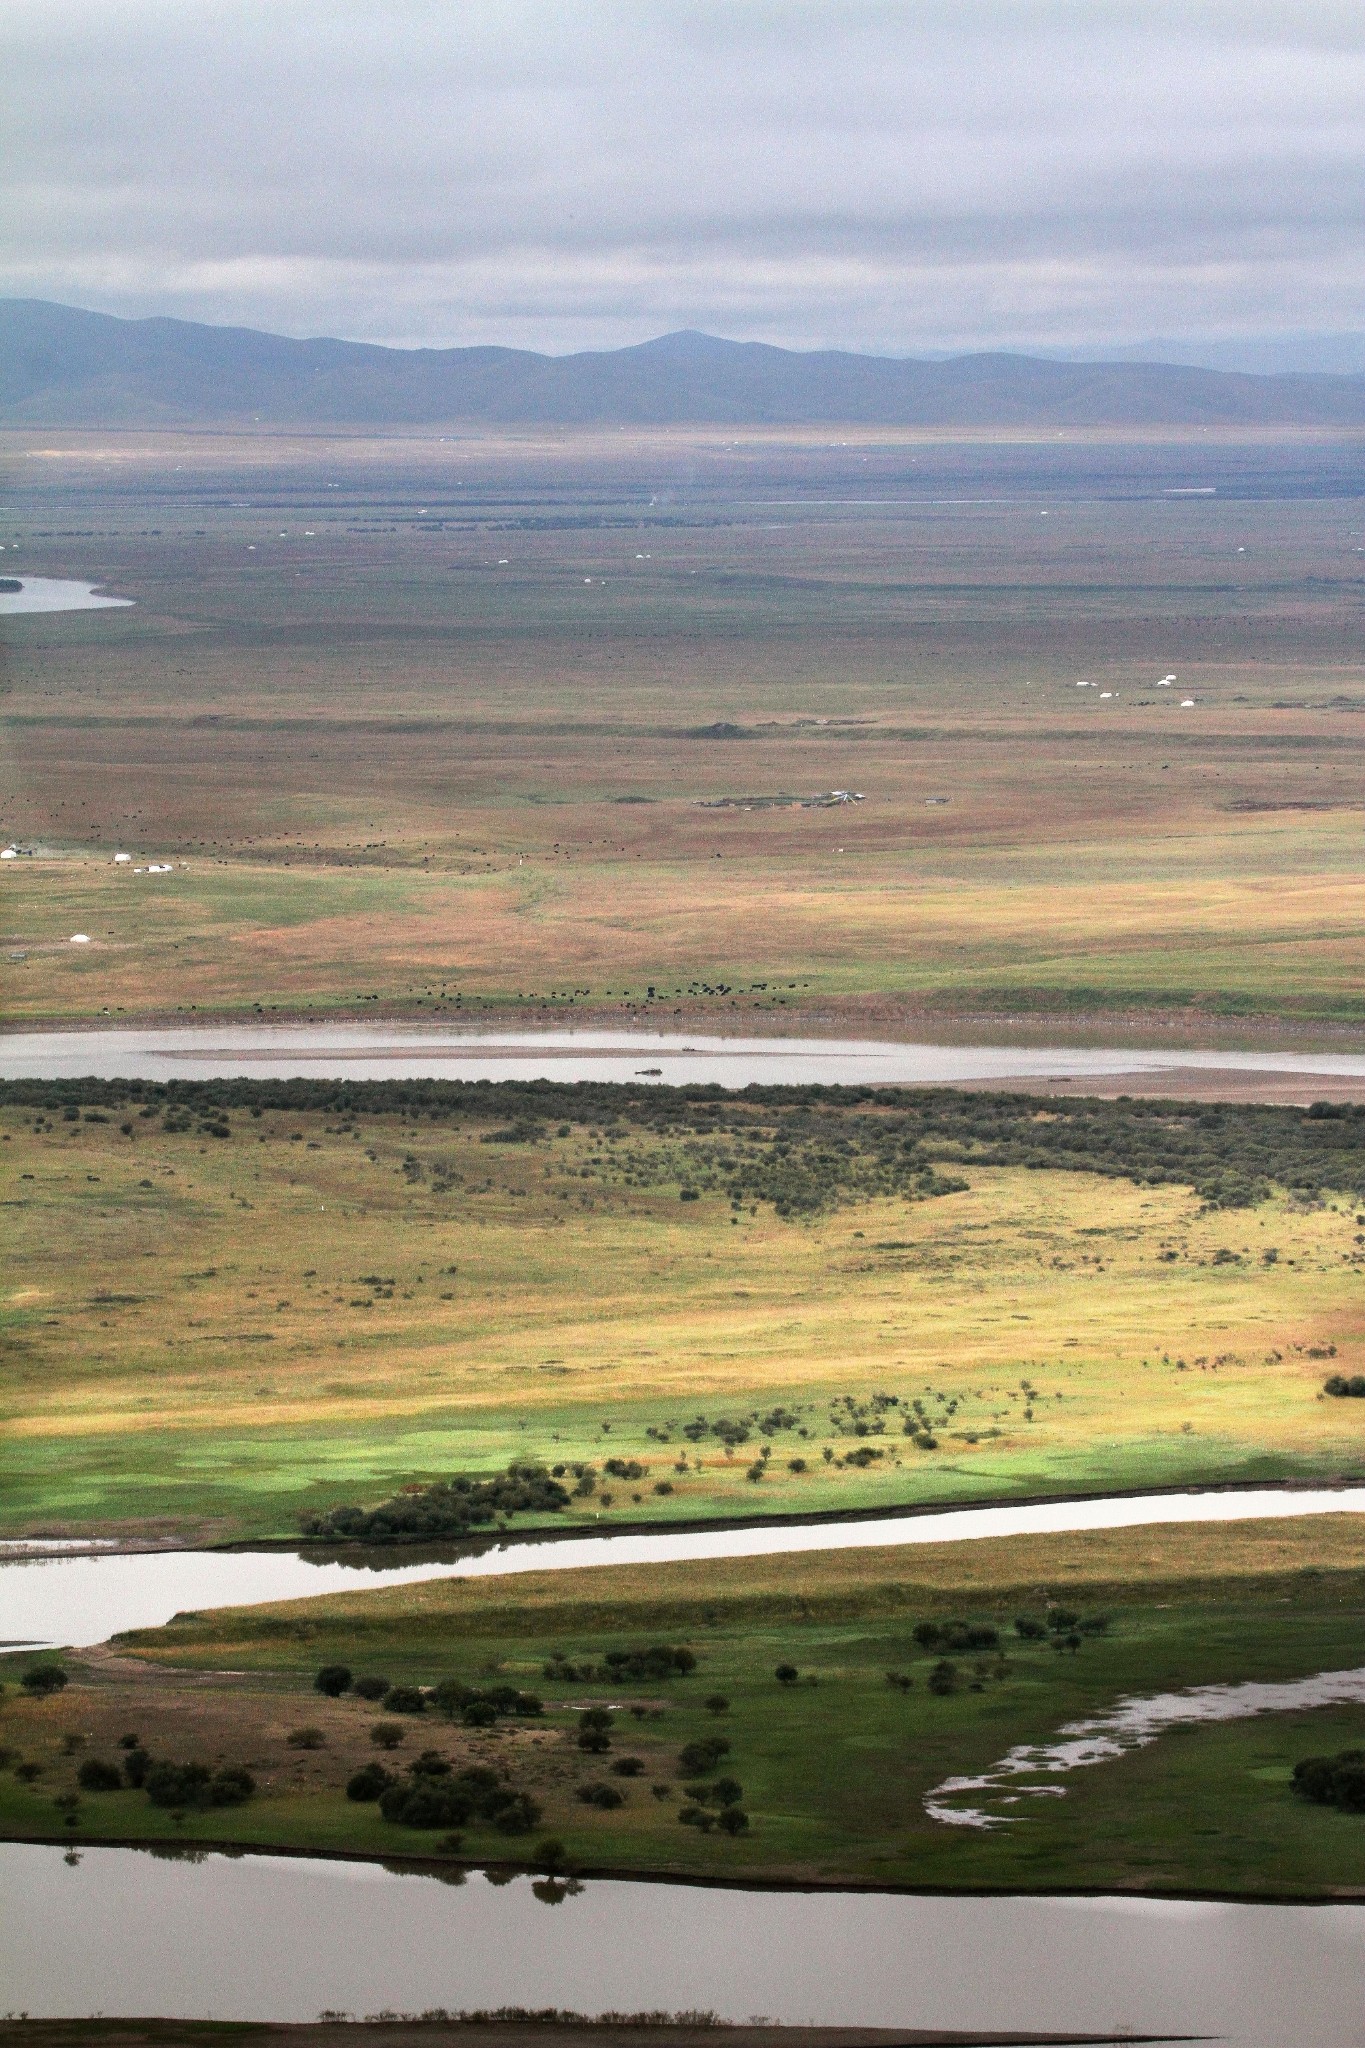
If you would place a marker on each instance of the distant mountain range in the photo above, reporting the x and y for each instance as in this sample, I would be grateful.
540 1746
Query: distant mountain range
60 366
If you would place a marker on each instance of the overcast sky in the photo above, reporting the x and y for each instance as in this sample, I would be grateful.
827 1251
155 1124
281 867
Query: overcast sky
578 173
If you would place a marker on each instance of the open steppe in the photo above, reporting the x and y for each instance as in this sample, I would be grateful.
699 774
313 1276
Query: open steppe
530 724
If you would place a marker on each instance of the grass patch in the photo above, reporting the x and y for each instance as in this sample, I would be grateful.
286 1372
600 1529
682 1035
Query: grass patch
241 1308
833 1764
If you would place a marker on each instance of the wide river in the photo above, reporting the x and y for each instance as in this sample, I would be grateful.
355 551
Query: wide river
124 1932
387 1052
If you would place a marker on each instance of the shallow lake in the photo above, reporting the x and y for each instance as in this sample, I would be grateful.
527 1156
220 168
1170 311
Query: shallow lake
389 1052
55 594
263 1937
49 1596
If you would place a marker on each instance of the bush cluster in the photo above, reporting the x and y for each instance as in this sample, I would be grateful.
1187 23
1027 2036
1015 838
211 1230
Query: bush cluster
809 1147
432 1794
450 1507
1333 1780
196 1786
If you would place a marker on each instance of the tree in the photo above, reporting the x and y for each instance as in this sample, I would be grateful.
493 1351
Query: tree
95 1775
404 1699
387 1734
733 1819
943 1678
703 1754
368 1783
333 1680
601 1795
786 1674
716 1703
40 1681
371 1688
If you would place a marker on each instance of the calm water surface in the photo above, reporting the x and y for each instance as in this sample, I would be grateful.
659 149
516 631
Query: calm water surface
47 1595
54 594
379 1052
262 1937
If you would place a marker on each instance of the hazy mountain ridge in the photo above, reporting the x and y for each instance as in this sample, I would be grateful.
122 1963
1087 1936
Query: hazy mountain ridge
60 366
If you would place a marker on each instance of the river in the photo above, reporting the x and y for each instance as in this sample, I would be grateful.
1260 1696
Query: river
49 1595
124 1932
390 1052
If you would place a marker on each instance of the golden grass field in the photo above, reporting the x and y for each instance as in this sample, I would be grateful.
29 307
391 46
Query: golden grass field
207 1337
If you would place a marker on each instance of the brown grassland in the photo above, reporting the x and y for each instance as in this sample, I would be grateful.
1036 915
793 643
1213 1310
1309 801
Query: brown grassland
429 725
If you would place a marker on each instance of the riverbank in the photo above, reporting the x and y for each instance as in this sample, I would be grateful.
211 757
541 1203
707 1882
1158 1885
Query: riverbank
900 1672
535 2031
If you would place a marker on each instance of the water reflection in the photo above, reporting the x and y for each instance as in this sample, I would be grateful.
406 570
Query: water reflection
268 1937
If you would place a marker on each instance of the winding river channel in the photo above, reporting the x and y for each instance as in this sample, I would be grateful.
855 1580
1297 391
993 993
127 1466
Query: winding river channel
123 1931
50 1594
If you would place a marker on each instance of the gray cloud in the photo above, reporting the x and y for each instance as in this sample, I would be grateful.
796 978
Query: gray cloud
564 173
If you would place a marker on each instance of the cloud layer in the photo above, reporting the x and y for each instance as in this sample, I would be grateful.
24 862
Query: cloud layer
571 173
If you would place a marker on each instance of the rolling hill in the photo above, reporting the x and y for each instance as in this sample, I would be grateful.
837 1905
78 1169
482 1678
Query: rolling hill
60 366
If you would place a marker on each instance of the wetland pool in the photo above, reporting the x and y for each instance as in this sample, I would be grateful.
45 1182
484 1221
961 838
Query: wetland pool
54 594
50 1596
122 1932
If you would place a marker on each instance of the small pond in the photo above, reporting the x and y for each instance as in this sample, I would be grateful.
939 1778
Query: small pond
53 594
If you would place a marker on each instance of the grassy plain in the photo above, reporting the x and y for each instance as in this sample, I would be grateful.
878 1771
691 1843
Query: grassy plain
834 1767
206 1336
430 727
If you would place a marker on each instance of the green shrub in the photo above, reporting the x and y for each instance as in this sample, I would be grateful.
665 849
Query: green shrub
95 1775
368 1783
1333 1780
40 1681
703 1754
196 1786
600 1795
333 1680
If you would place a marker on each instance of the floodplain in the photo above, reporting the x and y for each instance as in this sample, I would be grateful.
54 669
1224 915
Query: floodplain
559 725
752 729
